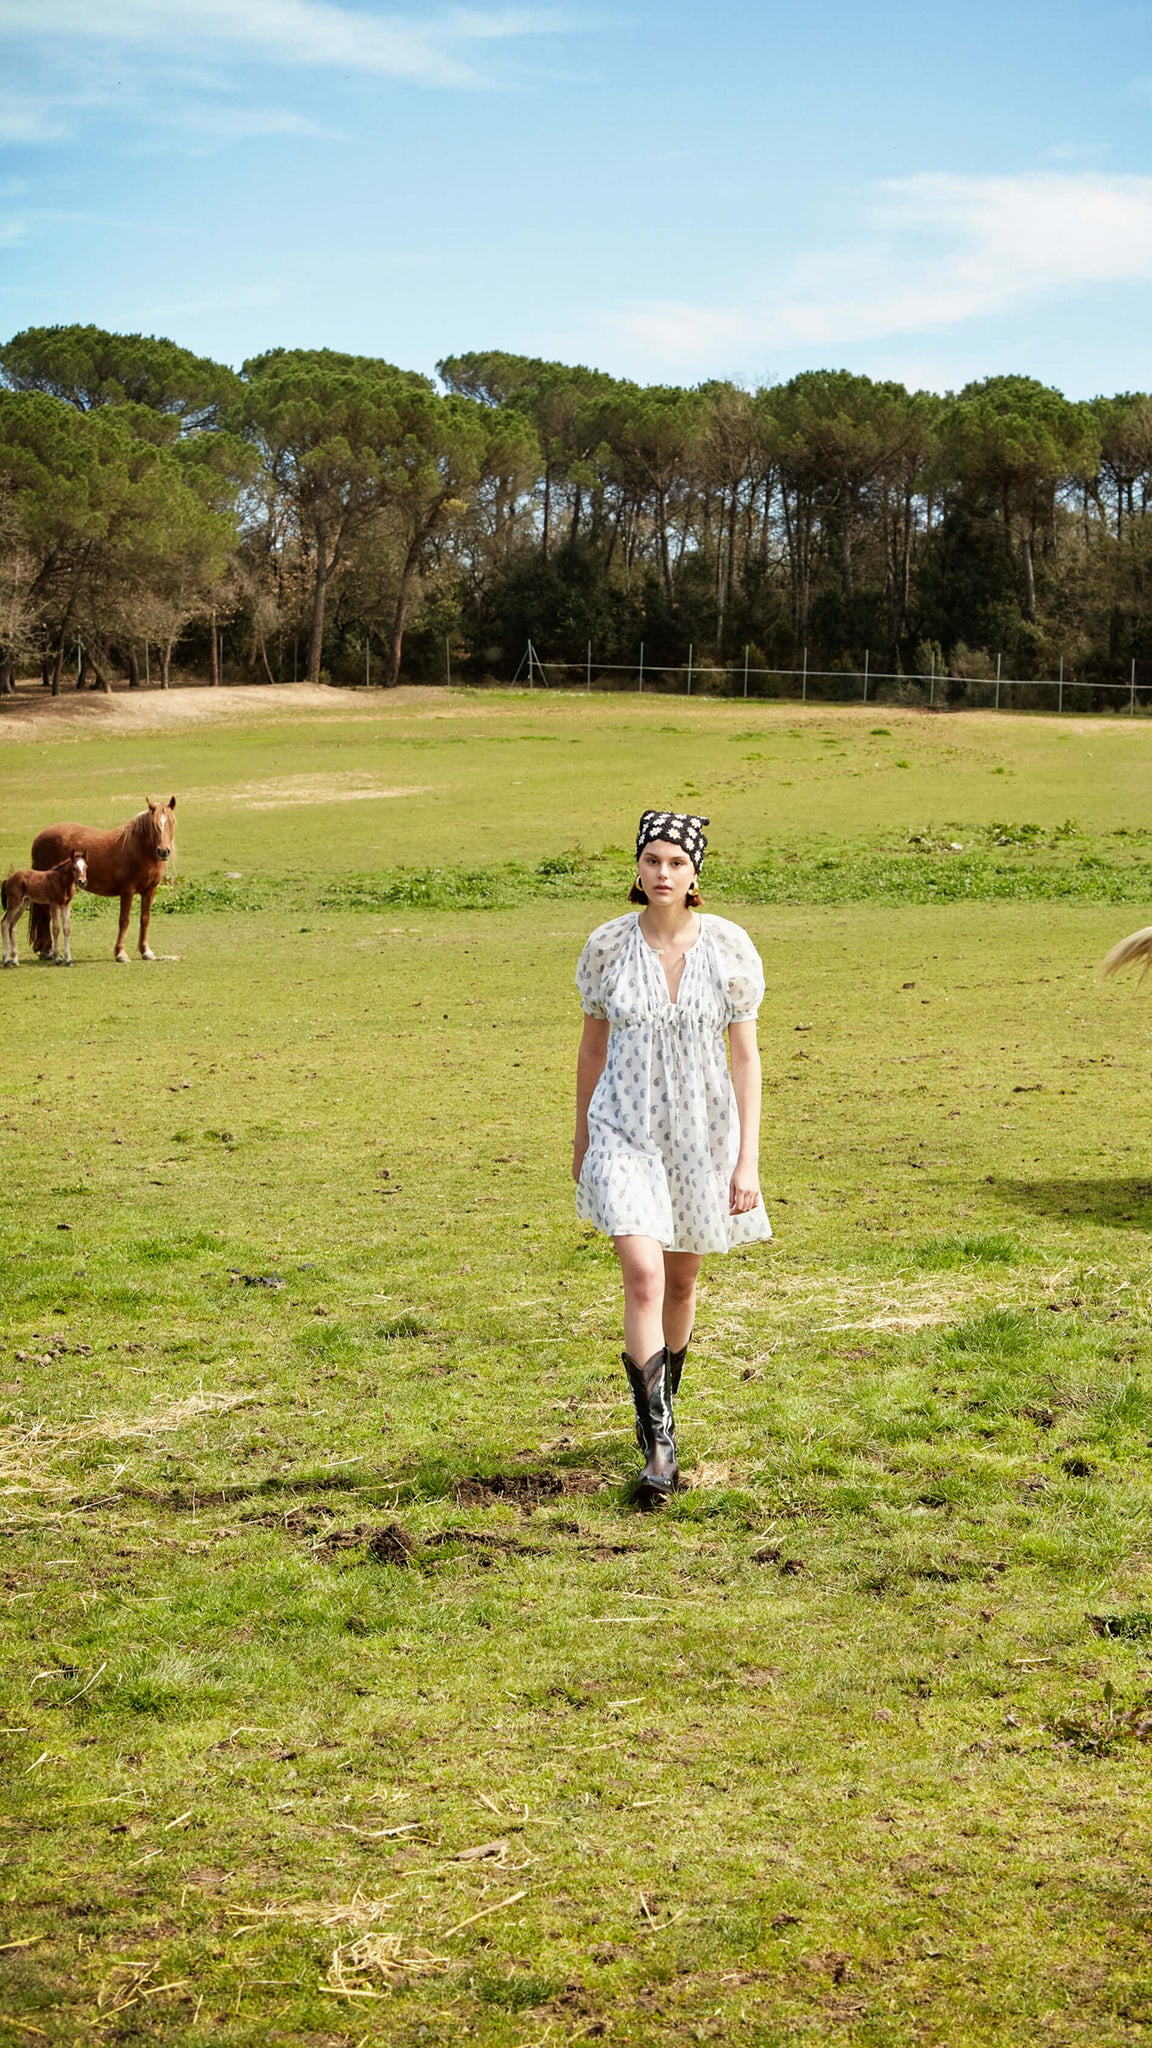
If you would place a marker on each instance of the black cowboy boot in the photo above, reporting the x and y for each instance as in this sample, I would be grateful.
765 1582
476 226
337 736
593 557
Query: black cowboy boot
676 1369
654 1427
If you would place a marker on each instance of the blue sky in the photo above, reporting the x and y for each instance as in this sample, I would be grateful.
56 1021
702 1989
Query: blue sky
670 192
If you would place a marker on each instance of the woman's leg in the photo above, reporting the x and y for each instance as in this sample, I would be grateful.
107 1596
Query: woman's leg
681 1272
646 1363
642 1271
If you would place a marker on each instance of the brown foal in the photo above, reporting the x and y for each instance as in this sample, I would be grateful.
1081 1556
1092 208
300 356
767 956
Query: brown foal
50 890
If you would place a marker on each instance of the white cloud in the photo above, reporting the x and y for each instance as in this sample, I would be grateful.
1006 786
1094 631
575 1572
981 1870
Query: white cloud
935 250
214 124
1075 152
27 119
426 51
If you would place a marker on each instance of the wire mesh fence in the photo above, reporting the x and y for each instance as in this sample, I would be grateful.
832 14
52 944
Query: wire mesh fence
932 689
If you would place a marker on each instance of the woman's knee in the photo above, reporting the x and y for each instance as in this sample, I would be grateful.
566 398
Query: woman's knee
680 1282
643 1277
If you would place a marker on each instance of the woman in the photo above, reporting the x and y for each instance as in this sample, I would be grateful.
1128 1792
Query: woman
667 1144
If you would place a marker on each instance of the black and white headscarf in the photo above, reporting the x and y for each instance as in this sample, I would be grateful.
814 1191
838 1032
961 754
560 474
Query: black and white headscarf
679 829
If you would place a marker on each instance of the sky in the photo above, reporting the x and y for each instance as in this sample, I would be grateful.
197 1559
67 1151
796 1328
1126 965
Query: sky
670 192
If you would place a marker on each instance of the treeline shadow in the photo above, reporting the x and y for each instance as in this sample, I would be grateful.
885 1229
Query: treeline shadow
1113 1204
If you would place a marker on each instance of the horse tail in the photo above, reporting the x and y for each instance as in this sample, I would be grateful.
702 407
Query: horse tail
3 895
1137 947
40 929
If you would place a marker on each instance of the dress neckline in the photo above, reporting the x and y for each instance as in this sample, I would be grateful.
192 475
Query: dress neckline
657 950
655 953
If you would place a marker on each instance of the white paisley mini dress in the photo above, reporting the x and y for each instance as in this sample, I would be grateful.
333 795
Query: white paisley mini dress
663 1129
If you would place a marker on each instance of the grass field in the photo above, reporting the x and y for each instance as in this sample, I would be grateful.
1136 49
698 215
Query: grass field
345 1697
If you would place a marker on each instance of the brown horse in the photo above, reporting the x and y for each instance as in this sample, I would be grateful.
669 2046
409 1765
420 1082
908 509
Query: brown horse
52 891
123 862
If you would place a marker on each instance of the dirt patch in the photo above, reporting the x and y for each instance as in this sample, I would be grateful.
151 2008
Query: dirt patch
391 1544
31 714
525 1489
477 1537
177 1501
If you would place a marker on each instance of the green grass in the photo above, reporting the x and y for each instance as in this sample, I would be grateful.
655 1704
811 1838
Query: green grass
320 1570
920 867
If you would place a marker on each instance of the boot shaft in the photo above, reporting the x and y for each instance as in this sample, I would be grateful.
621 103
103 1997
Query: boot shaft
655 1428
649 1395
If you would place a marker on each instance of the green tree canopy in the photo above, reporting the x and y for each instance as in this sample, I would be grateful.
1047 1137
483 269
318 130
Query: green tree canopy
445 451
89 368
324 424
105 518
1015 443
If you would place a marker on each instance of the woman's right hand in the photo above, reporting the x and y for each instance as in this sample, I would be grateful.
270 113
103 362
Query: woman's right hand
578 1155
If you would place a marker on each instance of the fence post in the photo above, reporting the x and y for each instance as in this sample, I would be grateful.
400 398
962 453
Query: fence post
689 690
804 684
448 659
745 669
640 684
1132 697
1060 690
932 683
998 661
295 655
531 659
147 671
588 672
79 657
866 653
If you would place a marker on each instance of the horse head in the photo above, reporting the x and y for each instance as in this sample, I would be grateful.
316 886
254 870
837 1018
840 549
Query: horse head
79 869
160 829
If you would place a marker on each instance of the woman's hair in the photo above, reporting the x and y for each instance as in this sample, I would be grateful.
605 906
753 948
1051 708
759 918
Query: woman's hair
693 899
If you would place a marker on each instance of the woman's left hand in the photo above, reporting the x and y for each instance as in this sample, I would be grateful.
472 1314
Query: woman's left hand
743 1192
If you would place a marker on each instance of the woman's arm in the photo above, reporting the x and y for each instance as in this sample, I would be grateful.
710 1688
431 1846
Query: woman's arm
589 1067
744 1189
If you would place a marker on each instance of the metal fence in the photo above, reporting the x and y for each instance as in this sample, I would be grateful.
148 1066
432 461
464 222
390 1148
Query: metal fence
933 688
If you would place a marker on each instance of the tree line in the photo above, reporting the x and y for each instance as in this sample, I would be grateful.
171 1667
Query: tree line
332 516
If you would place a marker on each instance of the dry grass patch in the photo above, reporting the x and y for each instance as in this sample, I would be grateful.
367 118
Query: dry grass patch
348 786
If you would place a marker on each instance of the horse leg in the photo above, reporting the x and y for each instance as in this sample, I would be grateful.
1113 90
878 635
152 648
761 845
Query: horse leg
57 956
146 896
66 921
7 941
122 934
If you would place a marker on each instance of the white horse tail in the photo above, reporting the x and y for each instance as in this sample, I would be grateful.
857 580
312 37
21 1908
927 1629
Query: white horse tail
1137 947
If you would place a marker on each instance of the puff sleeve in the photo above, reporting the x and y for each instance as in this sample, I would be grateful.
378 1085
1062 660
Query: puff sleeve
597 963
741 971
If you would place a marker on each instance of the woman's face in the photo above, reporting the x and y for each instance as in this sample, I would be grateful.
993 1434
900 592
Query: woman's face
665 871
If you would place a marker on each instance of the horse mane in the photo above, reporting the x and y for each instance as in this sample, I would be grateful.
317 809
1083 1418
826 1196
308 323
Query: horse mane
134 829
